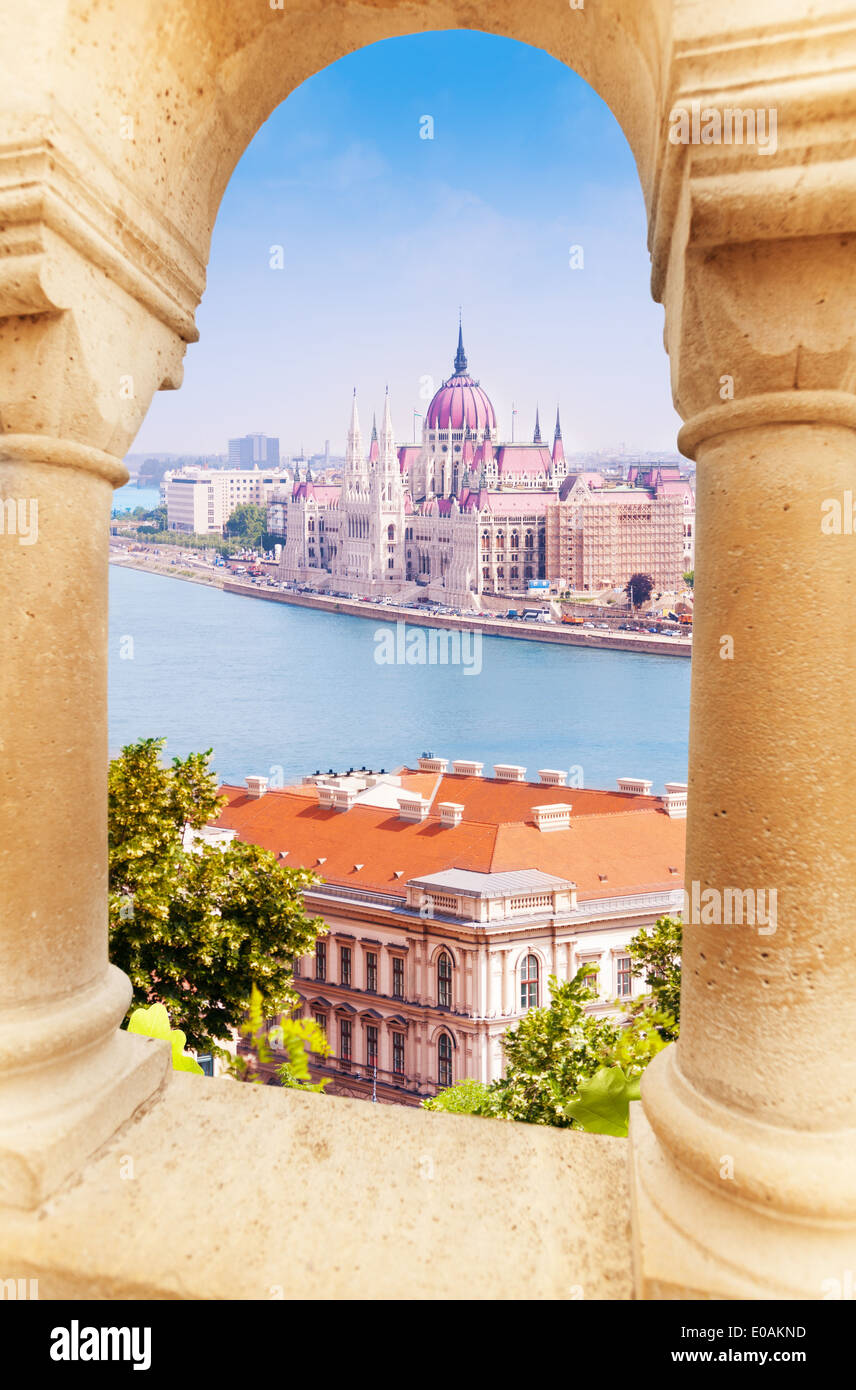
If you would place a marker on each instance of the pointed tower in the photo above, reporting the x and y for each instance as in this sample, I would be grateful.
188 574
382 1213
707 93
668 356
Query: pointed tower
373 447
559 468
536 438
460 355
354 478
387 507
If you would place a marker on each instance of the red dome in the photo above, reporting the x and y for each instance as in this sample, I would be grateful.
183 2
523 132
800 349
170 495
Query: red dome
459 402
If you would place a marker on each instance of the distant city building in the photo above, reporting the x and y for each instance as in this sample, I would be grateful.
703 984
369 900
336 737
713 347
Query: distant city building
599 536
451 898
201 500
462 514
253 450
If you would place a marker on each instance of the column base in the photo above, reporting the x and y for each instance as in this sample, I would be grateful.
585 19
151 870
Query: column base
692 1241
55 1112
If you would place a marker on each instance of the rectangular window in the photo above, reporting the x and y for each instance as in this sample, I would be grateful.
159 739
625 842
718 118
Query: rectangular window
345 1041
397 977
371 1045
345 965
593 979
321 1020
624 977
398 1053
371 970
320 960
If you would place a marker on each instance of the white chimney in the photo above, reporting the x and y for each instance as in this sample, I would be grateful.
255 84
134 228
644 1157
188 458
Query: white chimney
555 817
344 798
637 785
451 813
676 800
256 786
432 764
509 772
465 769
336 798
551 778
412 807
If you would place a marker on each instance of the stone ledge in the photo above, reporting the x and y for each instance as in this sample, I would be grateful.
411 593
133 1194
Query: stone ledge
257 1193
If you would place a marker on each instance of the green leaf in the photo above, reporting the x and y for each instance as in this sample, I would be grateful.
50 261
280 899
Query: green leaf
602 1103
154 1023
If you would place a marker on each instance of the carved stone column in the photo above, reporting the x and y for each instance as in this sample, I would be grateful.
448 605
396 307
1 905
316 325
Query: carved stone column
743 1150
86 336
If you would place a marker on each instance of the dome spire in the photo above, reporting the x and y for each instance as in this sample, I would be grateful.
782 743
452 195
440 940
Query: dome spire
460 355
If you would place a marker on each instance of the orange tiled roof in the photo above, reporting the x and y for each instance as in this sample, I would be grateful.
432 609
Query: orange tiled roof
617 843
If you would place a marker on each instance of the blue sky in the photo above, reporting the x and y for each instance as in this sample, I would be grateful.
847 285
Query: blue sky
385 234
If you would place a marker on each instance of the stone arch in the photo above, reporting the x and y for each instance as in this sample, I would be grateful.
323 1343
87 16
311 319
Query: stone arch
443 948
106 237
434 1036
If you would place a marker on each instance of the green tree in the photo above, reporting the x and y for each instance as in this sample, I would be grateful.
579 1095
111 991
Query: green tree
689 579
196 928
246 524
656 955
639 588
564 1066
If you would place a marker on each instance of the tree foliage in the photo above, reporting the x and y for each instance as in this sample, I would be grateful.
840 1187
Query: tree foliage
196 928
293 1035
247 523
566 1067
656 956
639 588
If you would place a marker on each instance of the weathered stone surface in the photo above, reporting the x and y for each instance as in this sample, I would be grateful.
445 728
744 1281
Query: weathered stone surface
248 1192
119 128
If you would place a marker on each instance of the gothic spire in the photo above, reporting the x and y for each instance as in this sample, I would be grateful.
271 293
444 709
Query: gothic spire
558 433
536 438
460 355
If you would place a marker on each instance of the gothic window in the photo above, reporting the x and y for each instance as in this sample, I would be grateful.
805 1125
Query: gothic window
444 981
528 573
444 1059
529 983
390 533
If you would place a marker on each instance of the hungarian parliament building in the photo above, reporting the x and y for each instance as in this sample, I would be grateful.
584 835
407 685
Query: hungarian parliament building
463 515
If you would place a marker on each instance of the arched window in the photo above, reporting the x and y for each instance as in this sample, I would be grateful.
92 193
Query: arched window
529 983
444 981
390 533
444 1059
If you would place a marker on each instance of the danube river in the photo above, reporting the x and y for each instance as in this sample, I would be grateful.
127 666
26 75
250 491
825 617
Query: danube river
282 691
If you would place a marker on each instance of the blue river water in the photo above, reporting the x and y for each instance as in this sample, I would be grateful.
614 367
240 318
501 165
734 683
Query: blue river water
282 691
127 498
